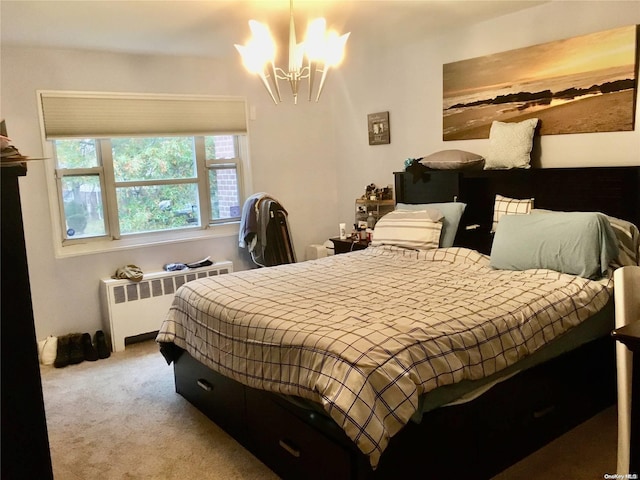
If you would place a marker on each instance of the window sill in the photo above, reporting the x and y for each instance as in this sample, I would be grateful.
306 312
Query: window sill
91 247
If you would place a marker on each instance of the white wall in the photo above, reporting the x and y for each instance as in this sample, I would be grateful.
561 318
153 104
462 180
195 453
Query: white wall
314 158
291 159
407 81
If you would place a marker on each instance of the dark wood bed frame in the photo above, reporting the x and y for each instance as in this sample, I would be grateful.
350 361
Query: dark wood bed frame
476 439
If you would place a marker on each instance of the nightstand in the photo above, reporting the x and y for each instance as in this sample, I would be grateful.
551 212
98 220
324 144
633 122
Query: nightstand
346 245
629 335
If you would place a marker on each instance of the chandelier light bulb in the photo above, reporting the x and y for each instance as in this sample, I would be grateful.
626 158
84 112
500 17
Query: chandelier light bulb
251 58
315 42
335 48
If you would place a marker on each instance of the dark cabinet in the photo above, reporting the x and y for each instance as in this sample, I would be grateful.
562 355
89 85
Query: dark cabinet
439 186
428 186
25 443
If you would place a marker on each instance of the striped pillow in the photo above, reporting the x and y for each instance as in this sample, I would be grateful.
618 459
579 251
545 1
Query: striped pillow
509 206
419 230
628 242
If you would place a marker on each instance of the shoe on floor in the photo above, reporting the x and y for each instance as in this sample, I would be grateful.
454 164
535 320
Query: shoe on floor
101 345
90 353
62 352
76 352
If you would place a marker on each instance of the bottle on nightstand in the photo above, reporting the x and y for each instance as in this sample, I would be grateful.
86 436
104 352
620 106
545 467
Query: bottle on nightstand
371 221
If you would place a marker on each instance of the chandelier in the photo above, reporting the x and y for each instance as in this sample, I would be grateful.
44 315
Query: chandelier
315 56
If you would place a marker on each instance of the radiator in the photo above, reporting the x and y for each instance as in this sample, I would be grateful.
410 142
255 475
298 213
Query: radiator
134 308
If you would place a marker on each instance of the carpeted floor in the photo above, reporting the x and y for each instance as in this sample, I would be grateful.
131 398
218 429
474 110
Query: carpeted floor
120 418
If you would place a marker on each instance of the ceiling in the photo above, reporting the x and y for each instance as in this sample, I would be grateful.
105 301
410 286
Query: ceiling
210 28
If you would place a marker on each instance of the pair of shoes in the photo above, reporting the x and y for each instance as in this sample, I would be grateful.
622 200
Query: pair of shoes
101 345
69 350
89 352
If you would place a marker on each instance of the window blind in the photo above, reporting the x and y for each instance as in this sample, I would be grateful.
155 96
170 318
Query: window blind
106 115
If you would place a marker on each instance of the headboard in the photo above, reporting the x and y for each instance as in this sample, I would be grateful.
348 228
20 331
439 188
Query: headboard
614 191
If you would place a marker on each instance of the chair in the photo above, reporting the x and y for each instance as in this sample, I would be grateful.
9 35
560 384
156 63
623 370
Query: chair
627 308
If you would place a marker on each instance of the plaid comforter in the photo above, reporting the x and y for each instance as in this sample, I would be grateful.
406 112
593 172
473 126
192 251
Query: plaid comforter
366 333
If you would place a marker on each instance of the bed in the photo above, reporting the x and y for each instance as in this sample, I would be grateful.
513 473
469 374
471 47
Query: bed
334 369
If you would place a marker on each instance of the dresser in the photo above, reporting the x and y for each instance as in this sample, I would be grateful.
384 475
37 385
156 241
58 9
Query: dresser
25 443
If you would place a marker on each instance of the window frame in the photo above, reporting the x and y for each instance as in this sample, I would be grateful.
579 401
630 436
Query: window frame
60 174
219 164
112 185
113 239
167 115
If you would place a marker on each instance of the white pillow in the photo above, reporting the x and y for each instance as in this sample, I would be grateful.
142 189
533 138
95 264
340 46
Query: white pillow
509 206
510 144
409 229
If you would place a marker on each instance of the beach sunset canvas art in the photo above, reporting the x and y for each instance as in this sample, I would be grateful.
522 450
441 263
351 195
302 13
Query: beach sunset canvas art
578 85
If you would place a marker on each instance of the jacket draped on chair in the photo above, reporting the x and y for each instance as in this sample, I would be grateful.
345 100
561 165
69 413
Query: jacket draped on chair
264 231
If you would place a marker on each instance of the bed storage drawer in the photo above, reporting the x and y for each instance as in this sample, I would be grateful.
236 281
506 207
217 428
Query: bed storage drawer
290 446
219 398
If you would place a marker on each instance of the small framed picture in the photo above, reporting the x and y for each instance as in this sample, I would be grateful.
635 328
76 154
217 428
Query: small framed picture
379 133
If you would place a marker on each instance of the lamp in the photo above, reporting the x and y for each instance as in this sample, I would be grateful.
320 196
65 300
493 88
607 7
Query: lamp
319 52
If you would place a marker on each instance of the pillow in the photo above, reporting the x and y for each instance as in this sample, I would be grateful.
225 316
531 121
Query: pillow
510 144
509 206
452 212
628 240
409 229
453 159
578 243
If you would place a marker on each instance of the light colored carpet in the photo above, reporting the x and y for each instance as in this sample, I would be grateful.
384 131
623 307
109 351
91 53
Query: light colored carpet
120 418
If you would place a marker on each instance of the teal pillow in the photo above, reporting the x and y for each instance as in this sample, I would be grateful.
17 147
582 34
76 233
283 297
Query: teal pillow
578 243
452 212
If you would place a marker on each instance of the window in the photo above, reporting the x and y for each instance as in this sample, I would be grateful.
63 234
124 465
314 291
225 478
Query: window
80 186
140 185
152 182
